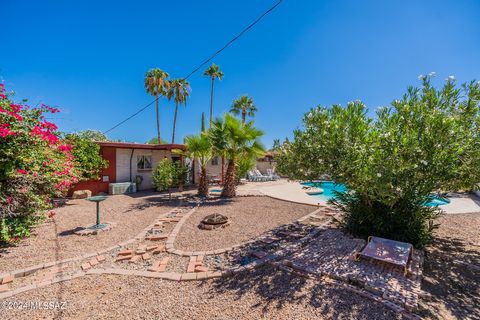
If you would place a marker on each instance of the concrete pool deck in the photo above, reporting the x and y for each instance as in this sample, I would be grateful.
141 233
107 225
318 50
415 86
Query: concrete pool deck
292 191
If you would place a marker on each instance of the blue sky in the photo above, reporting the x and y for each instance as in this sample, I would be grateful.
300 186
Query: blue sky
89 57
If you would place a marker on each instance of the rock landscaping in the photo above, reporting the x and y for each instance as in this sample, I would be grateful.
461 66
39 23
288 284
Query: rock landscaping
293 238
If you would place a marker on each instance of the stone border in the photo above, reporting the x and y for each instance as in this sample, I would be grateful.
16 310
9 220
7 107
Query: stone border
362 292
169 246
30 270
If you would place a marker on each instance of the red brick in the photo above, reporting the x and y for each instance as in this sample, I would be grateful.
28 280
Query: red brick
156 237
193 259
93 262
100 258
3 288
120 258
125 253
165 260
150 248
162 268
145 256
200 258
154 266
159 249
201 269
191 268
134 259
86 266
8 279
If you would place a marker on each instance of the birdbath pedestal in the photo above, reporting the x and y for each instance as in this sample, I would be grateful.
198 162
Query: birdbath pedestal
97 199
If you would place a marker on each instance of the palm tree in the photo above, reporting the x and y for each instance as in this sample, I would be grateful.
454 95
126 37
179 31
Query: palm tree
179 90
156 84
233 139
244 106
214 73
200 149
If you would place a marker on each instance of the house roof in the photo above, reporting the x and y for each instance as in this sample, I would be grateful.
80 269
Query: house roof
129 145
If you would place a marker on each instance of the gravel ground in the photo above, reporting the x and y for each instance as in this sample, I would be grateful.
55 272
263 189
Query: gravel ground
249 217
265 293
54 239
452 269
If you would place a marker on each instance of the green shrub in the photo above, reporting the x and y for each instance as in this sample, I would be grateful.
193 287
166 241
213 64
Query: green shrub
427 141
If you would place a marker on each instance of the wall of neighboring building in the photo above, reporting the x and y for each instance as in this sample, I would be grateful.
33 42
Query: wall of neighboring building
214 168
123 165
108 175
263 165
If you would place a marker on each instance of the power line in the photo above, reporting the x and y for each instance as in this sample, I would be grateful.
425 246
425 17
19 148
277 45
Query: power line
246 29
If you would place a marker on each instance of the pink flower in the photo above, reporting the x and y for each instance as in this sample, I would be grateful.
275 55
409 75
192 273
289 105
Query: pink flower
21 171
9 199
5 130
17 116
65 147
49 126
3 96
15 107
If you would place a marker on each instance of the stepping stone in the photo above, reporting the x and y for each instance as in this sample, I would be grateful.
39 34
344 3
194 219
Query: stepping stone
145 256
8 279
201 269
140 251
121 258
191 267
165 260
86 266
101 258
134 259
154 266
125 253
93 262
150 248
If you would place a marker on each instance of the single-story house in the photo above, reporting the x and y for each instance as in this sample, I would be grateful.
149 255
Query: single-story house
129 162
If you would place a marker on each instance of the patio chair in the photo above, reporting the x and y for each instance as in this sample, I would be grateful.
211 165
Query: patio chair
272 174
261 176
388 251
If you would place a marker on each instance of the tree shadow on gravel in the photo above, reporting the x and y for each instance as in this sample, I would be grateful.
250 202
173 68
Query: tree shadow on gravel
451 275
279 289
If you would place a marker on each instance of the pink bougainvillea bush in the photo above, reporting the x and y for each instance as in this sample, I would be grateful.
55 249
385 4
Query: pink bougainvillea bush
35 166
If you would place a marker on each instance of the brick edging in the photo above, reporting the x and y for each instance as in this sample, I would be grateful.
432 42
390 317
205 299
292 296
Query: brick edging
170 248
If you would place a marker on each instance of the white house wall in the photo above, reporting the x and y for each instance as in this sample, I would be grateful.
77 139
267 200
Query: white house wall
123 165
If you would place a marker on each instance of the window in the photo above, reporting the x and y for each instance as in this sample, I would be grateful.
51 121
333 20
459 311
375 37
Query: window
215 161
144 162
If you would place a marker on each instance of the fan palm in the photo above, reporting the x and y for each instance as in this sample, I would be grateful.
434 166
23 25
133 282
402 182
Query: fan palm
200 149
233 139
214 73
179 90
244 106
156 84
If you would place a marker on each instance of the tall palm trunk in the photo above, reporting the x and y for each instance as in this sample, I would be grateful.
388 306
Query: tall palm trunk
158 121
229 185
244 116
211 101
174 122
203 185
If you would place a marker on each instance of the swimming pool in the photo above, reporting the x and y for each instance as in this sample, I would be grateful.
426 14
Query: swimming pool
329 188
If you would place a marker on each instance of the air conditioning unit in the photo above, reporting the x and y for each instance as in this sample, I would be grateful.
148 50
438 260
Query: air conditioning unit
121 188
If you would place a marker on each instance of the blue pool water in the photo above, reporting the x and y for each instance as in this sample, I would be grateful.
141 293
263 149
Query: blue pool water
329 187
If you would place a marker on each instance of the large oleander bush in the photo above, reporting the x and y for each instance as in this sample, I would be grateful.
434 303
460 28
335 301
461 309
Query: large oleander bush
427 141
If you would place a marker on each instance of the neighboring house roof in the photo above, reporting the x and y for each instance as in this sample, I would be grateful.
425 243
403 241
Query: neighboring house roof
129 145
